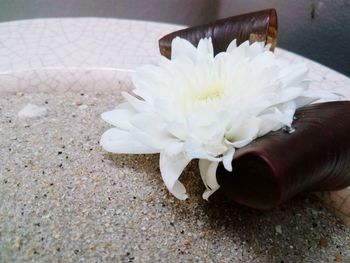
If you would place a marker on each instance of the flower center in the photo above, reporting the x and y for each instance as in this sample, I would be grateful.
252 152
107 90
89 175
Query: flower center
211 93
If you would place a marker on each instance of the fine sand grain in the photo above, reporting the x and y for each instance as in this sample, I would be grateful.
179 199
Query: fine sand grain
64 199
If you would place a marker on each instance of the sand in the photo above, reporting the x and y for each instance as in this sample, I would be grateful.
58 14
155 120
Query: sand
64 199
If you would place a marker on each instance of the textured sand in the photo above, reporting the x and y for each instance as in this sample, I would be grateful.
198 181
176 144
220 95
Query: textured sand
63 199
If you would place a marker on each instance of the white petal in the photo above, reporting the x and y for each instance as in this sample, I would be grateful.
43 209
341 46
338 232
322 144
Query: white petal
289 94
182 48
227 159
151 140
313 95
267 47
205 47
195 150
232 46
119 141
171 168
263 60
173 147
256 49
151 130
245 45
302 101
293 74
210 178
247 130
137 104
178 129
274 121
203 168
119 118
244 142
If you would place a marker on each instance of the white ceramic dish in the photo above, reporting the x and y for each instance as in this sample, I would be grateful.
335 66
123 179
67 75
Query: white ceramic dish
95 54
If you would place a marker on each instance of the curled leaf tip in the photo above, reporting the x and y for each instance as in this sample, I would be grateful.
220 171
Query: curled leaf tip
260 26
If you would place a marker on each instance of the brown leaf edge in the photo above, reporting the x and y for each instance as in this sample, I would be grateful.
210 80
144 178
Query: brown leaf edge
256 26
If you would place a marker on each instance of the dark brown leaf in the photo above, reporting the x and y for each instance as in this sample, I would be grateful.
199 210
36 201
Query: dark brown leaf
257 26
279 165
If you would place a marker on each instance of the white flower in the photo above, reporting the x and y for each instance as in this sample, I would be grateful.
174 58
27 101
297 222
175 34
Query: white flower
197 106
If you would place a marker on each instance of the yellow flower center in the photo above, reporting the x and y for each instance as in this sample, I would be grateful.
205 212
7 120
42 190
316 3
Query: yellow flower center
212 92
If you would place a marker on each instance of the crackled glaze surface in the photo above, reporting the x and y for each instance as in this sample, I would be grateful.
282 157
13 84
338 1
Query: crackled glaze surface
95 54
74 54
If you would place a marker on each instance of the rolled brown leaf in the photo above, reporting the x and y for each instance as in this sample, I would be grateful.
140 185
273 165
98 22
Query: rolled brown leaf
281 164
257 26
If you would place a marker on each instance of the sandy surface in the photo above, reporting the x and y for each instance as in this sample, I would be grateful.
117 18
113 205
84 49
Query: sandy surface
63 199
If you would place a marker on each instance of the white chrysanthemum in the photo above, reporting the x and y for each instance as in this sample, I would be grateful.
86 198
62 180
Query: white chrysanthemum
197 106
